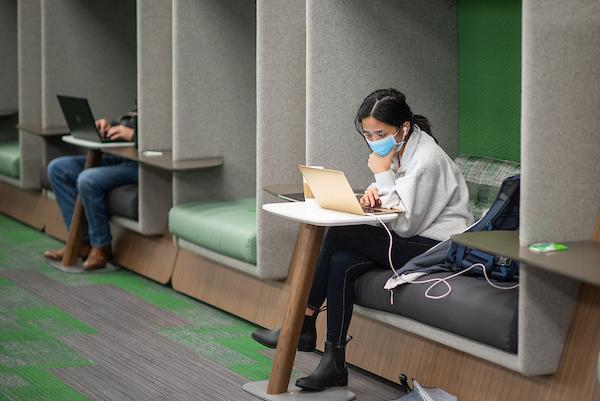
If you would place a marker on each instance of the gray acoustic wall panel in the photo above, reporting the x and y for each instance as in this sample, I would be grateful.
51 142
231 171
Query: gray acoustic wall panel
559 150
355 47
8 50
30 61
214 96
154 48
281 82
88 50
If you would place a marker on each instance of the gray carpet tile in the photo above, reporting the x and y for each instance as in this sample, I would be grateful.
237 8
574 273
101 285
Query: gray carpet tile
131 360
108 306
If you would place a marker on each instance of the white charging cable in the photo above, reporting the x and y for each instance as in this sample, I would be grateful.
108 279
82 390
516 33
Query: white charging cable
436 281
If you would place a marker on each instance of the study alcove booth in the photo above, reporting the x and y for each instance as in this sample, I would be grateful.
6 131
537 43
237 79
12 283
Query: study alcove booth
481 72
252 113
137 36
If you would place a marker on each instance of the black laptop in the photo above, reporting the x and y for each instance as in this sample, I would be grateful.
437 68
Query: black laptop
80 119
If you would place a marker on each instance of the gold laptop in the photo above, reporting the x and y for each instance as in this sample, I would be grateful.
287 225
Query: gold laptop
333 191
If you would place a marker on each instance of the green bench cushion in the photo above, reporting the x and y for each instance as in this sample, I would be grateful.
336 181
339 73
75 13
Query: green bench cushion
9 158
227 227
484 177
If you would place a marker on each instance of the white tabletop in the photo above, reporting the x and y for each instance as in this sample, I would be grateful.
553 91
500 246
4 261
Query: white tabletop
95 145
315 215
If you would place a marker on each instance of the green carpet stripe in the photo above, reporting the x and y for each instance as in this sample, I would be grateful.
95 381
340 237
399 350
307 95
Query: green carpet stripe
260 369
29 326
39 384
4 281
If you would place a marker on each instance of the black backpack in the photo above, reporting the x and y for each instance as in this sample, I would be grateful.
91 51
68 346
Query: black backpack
503 215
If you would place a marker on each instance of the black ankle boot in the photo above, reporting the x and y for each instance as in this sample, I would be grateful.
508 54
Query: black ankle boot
308 335
331 372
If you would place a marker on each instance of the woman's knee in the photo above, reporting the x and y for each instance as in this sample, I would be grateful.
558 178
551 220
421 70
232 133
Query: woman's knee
347 266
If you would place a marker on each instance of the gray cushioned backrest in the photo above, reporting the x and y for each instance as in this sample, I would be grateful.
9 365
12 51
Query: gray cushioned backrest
89 50
30 61
214 96
484 176
8 49
8 130
354 48
281 81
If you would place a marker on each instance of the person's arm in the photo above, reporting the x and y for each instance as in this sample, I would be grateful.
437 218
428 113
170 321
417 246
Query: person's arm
382 193
425 192
385 183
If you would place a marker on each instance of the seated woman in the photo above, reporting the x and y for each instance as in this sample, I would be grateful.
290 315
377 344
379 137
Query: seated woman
409 169
68 179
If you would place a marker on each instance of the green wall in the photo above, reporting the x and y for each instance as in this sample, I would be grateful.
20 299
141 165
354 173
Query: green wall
489 43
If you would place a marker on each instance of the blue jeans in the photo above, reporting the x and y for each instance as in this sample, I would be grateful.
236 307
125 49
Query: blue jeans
68 178
347 253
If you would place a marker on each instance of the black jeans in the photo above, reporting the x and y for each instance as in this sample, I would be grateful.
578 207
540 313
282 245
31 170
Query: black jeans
348 252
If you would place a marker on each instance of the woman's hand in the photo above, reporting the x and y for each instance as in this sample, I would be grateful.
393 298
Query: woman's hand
379 164
371 197
103 126
120 132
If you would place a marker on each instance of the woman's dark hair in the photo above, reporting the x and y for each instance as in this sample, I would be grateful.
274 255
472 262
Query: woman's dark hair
389 106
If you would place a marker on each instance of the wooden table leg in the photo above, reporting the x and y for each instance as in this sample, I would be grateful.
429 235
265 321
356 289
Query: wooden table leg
304 263
78 219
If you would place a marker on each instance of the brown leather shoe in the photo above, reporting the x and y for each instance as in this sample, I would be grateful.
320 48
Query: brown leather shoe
98 258
57 254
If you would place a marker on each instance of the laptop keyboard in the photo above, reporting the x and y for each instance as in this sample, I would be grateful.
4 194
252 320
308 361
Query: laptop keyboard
368 209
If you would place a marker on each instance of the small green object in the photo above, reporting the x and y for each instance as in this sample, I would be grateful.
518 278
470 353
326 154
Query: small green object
543 247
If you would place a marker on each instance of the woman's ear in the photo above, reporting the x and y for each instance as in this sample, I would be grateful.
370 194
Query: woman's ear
405 128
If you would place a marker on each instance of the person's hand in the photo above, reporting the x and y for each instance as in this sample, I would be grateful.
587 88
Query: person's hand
120 132
379 164
371 197
103 126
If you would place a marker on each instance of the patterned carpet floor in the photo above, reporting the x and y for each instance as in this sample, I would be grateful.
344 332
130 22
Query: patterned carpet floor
119 336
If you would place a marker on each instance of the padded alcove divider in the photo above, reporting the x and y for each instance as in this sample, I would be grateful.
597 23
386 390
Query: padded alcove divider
75 48
354 48
154 33
560 195
30 89
214 97
281 78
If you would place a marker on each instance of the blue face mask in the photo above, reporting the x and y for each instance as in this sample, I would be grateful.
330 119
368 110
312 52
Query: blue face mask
383 146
